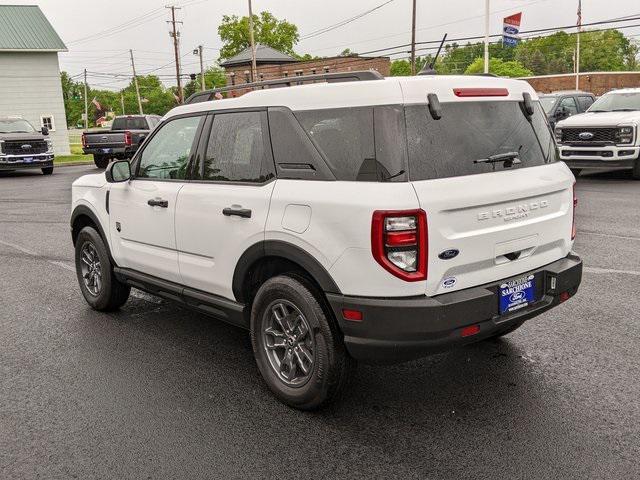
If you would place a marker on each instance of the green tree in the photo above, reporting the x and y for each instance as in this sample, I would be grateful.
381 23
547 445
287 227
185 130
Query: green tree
267 29
402 68
499 67
72 93
214 76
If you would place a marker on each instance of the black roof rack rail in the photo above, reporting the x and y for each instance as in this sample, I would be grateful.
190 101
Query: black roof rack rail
288 82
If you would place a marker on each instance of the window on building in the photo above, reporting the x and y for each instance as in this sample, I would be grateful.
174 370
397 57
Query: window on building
48 122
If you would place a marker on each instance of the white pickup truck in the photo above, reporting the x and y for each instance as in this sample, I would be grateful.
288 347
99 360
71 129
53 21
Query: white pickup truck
606 136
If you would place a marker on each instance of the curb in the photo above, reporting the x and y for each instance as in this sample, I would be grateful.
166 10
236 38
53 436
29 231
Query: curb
71 164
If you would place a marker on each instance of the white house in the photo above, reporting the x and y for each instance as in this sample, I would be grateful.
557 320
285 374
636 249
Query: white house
30 84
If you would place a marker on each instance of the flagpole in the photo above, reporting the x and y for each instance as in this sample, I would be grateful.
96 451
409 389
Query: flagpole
578 45
486 36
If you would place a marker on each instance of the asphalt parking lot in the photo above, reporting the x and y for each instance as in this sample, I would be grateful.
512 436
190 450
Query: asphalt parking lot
156 391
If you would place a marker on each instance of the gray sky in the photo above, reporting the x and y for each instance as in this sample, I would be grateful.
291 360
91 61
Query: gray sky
78 21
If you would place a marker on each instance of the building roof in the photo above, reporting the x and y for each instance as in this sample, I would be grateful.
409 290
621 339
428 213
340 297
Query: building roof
24 28
264 54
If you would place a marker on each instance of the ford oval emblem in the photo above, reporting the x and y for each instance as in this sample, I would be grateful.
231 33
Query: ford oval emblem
449 254
449 282
585 135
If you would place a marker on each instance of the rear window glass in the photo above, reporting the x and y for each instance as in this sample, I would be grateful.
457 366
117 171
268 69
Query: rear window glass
471 131
134 123
359 144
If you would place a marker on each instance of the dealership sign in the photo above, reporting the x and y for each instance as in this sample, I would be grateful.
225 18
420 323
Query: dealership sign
511 30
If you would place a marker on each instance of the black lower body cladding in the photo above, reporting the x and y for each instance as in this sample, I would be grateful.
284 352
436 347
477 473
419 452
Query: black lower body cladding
399 329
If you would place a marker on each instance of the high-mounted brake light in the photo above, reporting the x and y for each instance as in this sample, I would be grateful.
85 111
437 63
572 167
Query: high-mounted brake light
399 242
575 204
127 138
481 92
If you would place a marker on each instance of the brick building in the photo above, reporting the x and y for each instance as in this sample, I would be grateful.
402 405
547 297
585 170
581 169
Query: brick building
594 82
273 64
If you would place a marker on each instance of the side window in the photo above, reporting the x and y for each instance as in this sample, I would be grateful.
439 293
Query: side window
166 155
362 144
584 102
236 149
570 104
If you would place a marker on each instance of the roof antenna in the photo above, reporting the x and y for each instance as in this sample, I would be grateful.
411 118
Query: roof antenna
430 69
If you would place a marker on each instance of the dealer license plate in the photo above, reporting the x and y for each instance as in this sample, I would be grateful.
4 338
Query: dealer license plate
517 294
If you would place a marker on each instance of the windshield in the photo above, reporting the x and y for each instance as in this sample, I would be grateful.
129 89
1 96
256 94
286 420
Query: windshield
15 125
548 103
471 131
617 102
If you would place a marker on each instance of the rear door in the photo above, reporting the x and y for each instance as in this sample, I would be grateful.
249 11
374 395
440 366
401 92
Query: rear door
501 220
224 212
142 210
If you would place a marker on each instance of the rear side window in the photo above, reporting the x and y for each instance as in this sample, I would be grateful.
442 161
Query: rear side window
237 149
585 102
359 144
471 131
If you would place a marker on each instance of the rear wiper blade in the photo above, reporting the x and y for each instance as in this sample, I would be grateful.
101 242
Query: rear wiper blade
509 159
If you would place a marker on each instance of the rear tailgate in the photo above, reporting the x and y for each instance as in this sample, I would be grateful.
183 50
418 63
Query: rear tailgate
109 139
502 224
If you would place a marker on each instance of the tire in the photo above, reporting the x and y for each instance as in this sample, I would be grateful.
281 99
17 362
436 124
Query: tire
47 170
321 349
635 173
101 161
107 293
576 172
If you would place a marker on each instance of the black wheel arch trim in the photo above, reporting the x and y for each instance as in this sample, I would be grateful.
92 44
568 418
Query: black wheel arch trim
83 210
286 251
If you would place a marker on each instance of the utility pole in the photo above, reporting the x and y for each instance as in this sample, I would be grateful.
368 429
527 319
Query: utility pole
202 82
578 45
86 102
486 36
413 40
175 34
122 102
254 70
135 81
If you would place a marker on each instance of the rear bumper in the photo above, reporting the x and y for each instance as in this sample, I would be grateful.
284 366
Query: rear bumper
19 162
398 329
112 151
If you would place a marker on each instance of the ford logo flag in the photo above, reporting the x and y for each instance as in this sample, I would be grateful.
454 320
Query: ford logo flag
511 30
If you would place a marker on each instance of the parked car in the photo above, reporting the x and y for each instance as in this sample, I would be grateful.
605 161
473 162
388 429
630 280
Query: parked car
606 137
373 221
564 104
22 146
121 141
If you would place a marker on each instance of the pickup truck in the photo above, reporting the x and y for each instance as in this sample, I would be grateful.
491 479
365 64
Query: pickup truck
563 104
22 146
121 142
605 137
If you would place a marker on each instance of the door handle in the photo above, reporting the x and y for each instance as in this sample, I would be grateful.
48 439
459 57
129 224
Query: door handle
238 212
158 203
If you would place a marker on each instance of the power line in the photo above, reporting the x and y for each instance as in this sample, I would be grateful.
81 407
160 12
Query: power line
344 22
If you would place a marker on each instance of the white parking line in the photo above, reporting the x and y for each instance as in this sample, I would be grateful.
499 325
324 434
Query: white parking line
610 235
610 270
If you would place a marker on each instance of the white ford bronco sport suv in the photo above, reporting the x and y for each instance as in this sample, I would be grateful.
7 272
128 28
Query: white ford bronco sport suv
606 136
376 221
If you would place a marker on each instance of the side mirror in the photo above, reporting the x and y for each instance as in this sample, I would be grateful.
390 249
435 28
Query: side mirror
45 131
119 171
562 112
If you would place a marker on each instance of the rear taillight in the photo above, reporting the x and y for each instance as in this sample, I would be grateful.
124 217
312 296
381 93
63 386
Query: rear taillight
127 138
84 140
399 242
575 204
